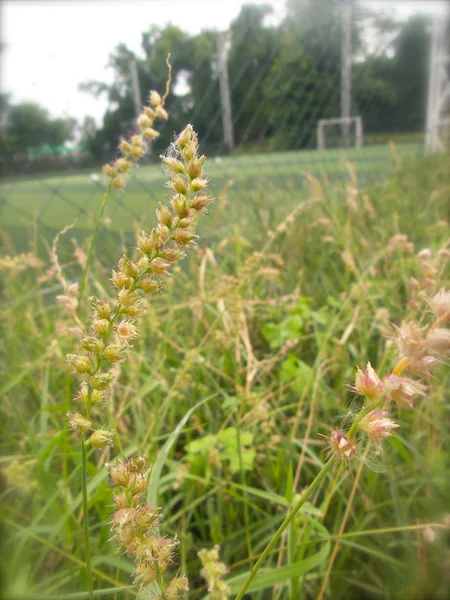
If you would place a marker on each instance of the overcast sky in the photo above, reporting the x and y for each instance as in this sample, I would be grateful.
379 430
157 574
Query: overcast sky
52 46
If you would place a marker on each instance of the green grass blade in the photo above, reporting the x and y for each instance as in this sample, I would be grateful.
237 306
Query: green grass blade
164 453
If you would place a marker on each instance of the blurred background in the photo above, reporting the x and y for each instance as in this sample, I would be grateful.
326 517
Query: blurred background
275 90
325 124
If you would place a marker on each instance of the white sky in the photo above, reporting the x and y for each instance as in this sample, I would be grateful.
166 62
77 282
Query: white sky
52 46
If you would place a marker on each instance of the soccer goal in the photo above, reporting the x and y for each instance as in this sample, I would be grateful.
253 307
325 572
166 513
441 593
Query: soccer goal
342 131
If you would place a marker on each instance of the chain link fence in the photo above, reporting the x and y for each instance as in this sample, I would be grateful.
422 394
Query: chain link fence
275 98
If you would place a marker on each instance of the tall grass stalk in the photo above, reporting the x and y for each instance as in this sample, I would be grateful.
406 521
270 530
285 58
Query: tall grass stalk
285 524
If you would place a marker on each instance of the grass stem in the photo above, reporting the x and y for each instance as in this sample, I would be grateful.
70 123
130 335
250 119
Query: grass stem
303 498
87 545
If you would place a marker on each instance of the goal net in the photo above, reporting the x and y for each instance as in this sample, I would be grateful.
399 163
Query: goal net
340 132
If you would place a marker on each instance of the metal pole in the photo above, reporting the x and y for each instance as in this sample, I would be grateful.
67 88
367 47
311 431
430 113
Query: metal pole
136 88
432 80
438 104
225 98
346 68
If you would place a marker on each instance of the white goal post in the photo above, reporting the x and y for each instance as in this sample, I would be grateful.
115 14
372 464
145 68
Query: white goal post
345 121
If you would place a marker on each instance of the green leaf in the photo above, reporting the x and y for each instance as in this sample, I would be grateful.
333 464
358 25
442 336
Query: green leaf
114 561
164 453
76 596
248 458
293 368
277 499
29 369
269 577
201 446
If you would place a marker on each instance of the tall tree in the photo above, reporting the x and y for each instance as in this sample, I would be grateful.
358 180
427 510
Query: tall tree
29 126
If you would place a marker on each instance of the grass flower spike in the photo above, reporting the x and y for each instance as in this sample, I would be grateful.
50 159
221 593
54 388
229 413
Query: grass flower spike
135 528
213 571
113 328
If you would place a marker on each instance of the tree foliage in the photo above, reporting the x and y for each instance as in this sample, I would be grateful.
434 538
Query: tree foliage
283 77
28 126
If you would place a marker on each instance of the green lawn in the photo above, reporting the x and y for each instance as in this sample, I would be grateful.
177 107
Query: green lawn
55 201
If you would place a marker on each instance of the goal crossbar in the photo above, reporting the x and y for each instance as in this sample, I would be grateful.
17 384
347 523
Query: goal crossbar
322 123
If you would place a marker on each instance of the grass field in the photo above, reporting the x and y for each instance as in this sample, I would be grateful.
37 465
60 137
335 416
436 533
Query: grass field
56 201
243 362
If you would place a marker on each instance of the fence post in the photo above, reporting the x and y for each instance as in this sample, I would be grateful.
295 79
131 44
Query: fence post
225 98
438 105
346 69
136 87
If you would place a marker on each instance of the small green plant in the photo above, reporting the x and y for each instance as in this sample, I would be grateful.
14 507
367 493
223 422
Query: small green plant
419 349
268 321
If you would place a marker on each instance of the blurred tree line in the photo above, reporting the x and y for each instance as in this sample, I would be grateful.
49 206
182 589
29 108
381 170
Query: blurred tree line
284 76
27 128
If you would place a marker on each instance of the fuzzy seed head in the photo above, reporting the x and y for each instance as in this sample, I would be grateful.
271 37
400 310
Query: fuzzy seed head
213 572
122 501
125 148
199 203
135 309
164 216
177 588
161 113
197 185
136 153
120 280
180 206
439 341
127 330
150 133
128 267
113 353
185 137
154 98
195 167
100 326
412 345
367 383
144 243
425 254
344 448
101 381
78 423
119 476
118 183
139 484
414 284
440 305
178 185
109 171
101 439
159 266
403 390
377 425
145 573
127 297
122 165
91 344
148 285
144 121
102 309
150 113
137 464
79 363
96 395
184 223
173 254
184 237
173 164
